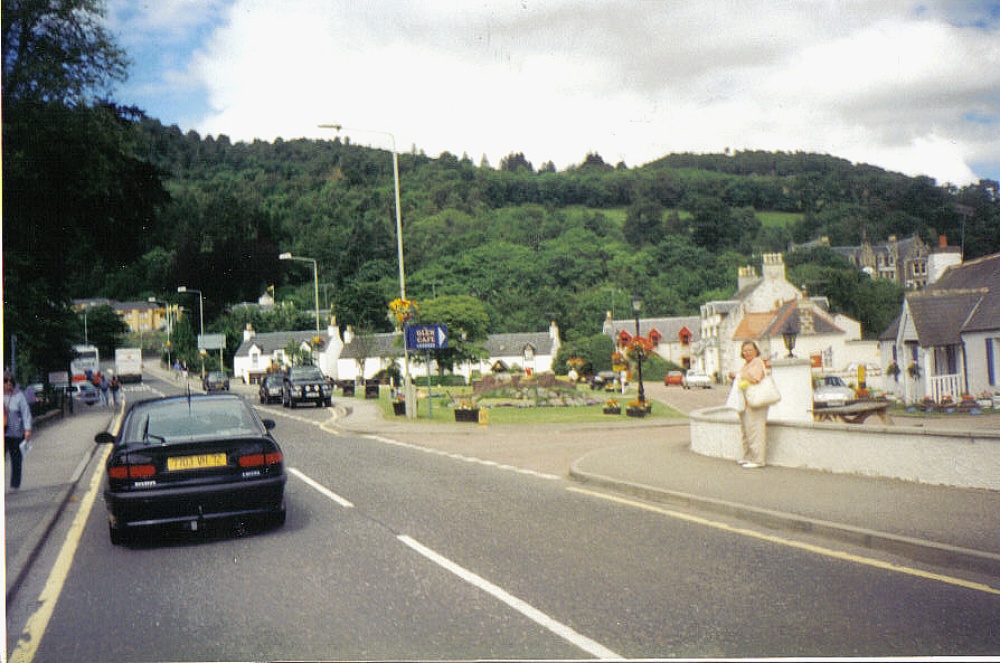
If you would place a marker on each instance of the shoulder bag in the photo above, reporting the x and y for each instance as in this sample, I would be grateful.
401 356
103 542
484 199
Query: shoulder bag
763 393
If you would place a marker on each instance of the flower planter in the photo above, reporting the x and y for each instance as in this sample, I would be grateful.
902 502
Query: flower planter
612 410
470 416
984 402
637 412
399 407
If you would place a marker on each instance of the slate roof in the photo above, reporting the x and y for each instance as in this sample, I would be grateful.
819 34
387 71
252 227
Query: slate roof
269 342
505 345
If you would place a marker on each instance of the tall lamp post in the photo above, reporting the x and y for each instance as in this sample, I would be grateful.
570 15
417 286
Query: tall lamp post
289 256
636 309
411 411
201 321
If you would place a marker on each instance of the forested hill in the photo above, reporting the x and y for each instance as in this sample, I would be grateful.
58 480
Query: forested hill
533 244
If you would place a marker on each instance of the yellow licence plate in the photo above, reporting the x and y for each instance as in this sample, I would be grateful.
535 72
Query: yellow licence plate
195 462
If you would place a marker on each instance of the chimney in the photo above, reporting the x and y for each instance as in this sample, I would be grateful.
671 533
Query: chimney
747 277
248 333
774 267
807 324
941 258
348 335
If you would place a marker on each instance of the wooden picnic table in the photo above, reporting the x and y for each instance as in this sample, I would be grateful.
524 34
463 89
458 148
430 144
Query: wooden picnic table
854 413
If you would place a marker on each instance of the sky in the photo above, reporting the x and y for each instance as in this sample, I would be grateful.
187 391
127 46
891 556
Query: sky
910 86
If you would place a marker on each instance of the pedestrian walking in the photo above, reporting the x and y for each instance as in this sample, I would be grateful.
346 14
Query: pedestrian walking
105 388
116 390
16 427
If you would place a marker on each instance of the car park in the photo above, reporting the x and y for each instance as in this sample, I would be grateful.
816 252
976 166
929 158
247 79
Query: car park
305 384
696 378
186 461
270 388
830 391
674 378
215 381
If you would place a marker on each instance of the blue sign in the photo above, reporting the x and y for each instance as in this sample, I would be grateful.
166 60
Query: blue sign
426 337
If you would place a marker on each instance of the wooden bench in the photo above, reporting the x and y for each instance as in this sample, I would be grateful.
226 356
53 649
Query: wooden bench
854 413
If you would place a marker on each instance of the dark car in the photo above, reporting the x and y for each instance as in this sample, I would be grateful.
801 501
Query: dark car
215 381
189 460
270 389
305 384
606 380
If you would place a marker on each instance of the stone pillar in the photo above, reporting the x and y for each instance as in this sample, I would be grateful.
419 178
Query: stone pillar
794 379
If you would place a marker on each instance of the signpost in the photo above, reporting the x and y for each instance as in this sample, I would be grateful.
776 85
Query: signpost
427 338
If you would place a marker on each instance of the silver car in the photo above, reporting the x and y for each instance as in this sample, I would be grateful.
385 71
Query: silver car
830 391
696 378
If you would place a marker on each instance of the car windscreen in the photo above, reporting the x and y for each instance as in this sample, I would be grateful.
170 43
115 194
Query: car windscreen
308 373
184 419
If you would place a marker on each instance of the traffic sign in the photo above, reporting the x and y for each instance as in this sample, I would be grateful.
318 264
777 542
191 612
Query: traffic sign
426 337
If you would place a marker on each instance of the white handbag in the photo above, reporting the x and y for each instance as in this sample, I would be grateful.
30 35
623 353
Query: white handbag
763 393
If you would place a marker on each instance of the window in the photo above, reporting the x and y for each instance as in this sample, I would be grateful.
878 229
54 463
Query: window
991 365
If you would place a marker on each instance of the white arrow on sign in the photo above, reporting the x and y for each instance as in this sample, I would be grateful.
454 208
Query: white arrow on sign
442 337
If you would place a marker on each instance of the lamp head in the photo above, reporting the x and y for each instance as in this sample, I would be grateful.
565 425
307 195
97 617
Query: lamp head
182 288
789 334
637 303
285 256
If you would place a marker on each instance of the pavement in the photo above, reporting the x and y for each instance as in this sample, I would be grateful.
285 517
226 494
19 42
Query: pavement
645 459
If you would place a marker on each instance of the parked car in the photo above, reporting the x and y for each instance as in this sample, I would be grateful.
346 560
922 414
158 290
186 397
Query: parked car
830 391
190 460
83 392
215 381
604 380
674 377
305 384
696 378
270 388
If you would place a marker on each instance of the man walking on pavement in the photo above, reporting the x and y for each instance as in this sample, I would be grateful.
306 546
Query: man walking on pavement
16 426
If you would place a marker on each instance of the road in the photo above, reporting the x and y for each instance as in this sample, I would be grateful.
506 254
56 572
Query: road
390 552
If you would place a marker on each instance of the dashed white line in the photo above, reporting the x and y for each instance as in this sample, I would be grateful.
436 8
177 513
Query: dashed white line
562 630
466 459
344 502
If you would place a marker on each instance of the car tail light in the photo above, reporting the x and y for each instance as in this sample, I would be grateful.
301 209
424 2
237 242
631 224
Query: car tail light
131 471
260 460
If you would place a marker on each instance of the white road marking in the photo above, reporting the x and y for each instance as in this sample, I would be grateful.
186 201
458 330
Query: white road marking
347 504
562 630
466 459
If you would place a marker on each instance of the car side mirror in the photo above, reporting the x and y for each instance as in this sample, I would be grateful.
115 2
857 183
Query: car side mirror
269 424
104 437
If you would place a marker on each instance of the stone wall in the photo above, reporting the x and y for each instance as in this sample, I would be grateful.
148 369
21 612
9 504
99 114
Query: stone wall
964 459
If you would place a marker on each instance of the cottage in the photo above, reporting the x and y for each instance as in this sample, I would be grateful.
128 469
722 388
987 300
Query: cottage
946 340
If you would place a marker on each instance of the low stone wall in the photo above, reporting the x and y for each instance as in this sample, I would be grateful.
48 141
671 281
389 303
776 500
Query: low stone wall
965 459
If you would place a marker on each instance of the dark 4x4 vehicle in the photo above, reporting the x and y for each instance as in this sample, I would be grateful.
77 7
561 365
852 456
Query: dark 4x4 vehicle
305 384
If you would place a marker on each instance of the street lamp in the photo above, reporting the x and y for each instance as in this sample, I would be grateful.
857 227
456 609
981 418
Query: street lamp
407 386
289 256
789 335
201 321
636 309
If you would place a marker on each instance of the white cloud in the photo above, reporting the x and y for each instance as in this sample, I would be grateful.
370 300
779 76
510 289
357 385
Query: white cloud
888 83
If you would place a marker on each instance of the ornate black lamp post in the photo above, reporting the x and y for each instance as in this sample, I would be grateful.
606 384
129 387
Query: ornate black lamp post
636 308
789 334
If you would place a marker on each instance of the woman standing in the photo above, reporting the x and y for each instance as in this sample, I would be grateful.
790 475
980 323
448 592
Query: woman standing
753 420
16 426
